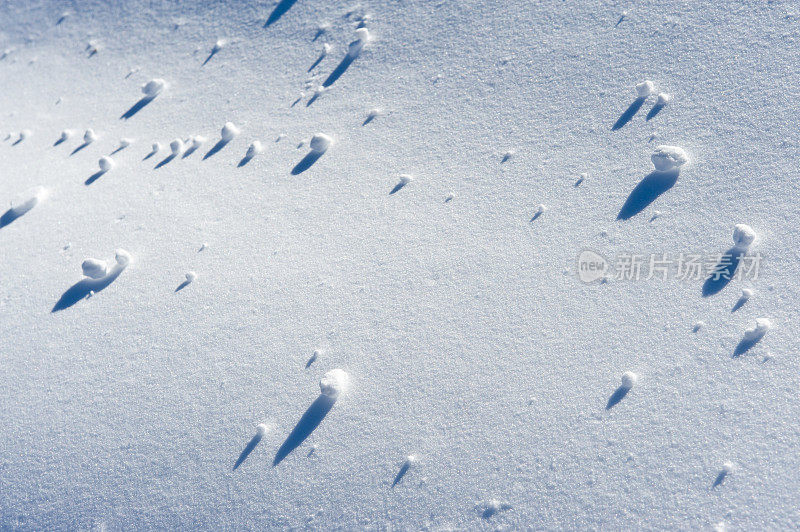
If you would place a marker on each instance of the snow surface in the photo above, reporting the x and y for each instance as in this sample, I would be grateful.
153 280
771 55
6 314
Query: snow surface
466 334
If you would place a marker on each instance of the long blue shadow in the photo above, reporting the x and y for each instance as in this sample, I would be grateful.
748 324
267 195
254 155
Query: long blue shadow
723 272
9 216
618 395
212 54
94 177
307 424
745 345
306 162
654 111
401 473
318 61
280 9
81 289
628 114
215 148
646 192
79 148
720 479
247 450
166 160
138 106
339 70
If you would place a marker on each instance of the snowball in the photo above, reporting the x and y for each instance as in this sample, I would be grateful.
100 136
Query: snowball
190 276
373 113
106 163
666 158
326 49
743 236
320 143
229 131
758 331
645 88
727 468
154 87
362 34
156 147
334 383
254 149
203 246
219 45
629 378
65 135
24 134
123 257
197 141
94 268
663 99
262 429
698 325
176 146
541 209
89 136
124 143
747 293
406 179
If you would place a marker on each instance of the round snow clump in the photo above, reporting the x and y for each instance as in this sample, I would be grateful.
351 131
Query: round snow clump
645 89
24 134
124 143
219 45
156 147
406 179
65 135
94 268
362 34
320 143
758 331
229 131
326 49
373 113
89 136
334 383
197 141
154 87
190 276
728 468
743 236
123 257
698 325
747 293
629 378
254 149
666 158
663 99
262 429
541 209
106 163
176 146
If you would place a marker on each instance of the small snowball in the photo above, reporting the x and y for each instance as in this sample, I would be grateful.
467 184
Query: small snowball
334 383
24 134
666 158
219 45
406 179
758 331
743 236
176 146
747 293
280 137
728 468
203 247
106 163
645 88
154 87
190 276
698 325
254 149
124 143
156 147
362 34
411 459
326 49
123 257
94 268
89 136
541 209
355 47
320 143
262 429
663 99
197 141
629 378
374 113
229 131
65 135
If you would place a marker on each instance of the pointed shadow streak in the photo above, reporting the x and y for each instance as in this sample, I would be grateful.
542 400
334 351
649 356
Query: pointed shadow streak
59 141
307 424
306 162
166 160
190 150
82 288
646 192
247 450
244 161
745 345
618 395
313 99
138 106
9 216
214 149
401 474
282 7
723 272
79 148
17 141
628 114
181 287
654 111
212 54
338 71
397 188
94 177
720 478
315 63
535 216
369 119
739 304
